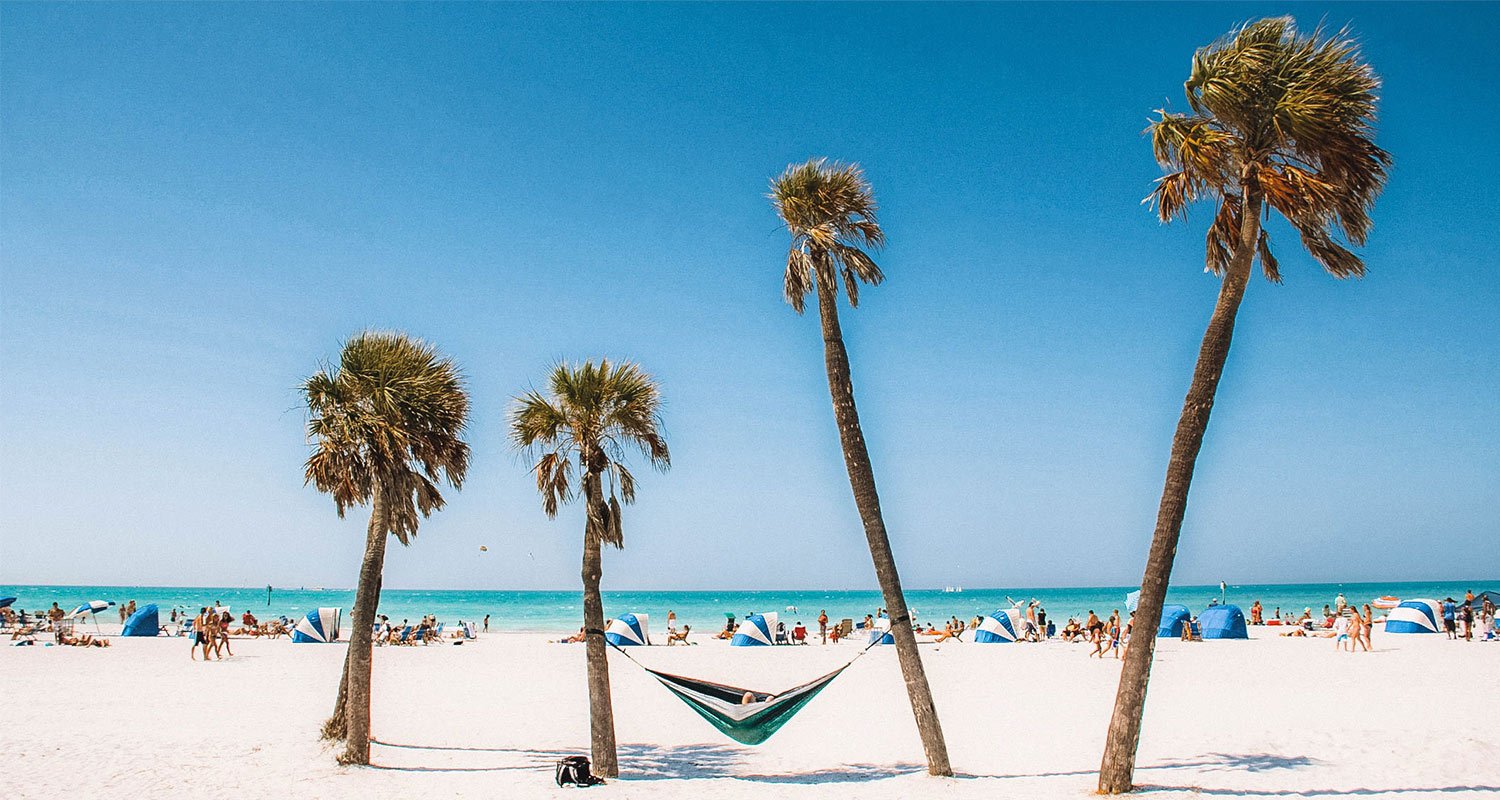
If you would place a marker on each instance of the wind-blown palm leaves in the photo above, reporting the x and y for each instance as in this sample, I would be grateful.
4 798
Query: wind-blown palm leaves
386 427
829 210
1280 121
590 419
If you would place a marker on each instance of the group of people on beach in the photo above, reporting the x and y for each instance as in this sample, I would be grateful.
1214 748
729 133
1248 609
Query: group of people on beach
210 632
1462 621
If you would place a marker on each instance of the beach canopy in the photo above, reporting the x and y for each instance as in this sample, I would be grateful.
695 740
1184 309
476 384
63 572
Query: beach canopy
143 622
1415 616
321 625
998 627
1477 603
757 630
1223 622
628 630
881 633
1132 600
91 607
1173 617
1386 603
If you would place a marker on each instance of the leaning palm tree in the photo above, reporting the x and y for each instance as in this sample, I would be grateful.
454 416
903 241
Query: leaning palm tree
829 209
385 427
592 415
1281 121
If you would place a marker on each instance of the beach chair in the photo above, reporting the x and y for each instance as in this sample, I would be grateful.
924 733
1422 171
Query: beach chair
1195 631
846 627
405 637
471 631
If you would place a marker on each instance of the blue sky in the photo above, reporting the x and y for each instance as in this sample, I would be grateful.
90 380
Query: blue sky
199 202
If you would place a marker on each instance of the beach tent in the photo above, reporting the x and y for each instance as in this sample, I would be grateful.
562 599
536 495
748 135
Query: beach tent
1223 622
1476 604
998 627
321 625
882 632
1173 617
755 631
1415 616
143 622
628 630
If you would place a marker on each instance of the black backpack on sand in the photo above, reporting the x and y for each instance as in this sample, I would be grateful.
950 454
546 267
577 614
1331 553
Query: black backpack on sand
576 771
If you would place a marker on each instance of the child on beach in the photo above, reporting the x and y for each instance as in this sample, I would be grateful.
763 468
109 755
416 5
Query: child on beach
1341 633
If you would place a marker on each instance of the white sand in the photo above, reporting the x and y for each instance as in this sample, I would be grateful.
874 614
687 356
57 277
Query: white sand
1266 718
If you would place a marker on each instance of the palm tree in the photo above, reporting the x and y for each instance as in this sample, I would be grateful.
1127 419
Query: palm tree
829 209
1281 121
592 415
385 426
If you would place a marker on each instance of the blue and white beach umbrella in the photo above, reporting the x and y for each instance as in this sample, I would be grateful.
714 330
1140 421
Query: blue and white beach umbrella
321 625
755 631
628 630
1415 616
999 627
91 607
5 601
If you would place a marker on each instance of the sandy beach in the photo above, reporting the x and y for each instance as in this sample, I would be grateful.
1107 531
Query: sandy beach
1268 717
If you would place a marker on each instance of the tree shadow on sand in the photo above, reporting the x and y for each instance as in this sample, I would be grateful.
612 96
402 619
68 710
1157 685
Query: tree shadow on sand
523 758
652 762
1210 762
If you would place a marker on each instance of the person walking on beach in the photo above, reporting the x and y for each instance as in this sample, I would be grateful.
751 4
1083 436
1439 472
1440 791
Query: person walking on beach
1341 633
823 625
1096 634
200 635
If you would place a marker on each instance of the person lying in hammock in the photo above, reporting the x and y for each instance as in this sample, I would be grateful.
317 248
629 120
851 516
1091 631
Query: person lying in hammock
751 698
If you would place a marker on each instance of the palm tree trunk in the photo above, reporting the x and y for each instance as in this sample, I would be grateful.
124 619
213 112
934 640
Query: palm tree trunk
1116 772
366 597
336 728
601 710
862 481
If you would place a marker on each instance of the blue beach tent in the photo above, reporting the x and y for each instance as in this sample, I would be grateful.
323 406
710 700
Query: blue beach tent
143 622
628 630
1223 622
997 628
321 626
757 630
1173 617
1415 616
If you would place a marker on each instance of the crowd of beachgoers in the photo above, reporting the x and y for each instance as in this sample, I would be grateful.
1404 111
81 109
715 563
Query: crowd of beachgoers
1350 625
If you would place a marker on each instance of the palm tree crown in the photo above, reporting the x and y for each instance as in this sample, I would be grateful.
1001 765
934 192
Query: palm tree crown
390 414
594 413
1289 117
829 209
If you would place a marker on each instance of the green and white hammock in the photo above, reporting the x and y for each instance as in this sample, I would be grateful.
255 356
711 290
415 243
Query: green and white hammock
724 707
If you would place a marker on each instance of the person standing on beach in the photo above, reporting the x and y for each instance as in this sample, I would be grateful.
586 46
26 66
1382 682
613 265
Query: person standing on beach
671 624
1448 622
1341 633
200 634
486 623
1468 620
1368 624
823 625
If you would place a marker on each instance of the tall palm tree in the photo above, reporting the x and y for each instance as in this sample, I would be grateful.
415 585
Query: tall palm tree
385 427
1280 121
592 415
829 209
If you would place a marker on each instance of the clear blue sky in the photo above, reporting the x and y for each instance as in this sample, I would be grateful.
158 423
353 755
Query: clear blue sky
199 202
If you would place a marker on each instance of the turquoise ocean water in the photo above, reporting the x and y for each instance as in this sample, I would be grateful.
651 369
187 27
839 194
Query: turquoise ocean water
560 611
